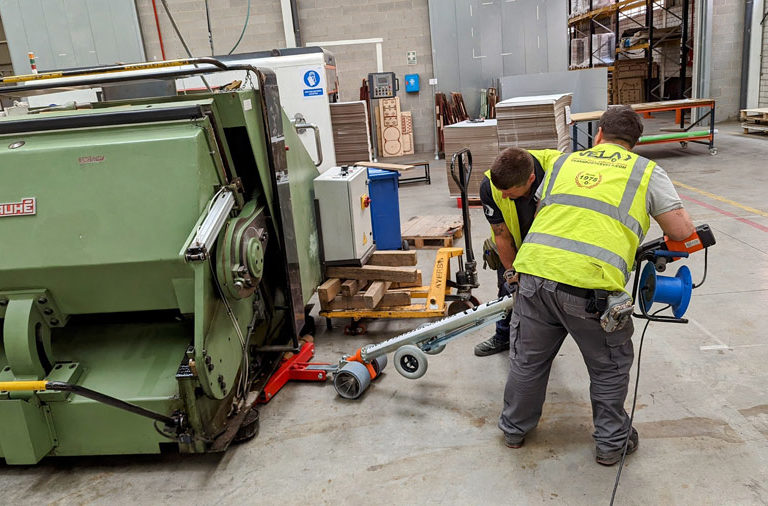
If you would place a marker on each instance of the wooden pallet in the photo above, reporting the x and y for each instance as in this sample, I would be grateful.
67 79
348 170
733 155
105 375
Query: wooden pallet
755 127
755 115
432 232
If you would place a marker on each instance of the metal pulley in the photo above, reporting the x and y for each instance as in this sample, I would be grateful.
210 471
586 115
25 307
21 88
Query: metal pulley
240 257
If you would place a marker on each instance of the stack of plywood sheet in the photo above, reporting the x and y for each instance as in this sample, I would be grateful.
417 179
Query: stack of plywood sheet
482 140
350 132
537 122
407 130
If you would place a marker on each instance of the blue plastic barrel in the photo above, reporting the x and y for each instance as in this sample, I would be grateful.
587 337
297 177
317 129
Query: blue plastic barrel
385 208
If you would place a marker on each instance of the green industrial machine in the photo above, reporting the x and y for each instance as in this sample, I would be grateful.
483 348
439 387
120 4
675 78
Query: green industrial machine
156 258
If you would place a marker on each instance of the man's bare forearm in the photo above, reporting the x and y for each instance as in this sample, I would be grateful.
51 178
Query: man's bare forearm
504 244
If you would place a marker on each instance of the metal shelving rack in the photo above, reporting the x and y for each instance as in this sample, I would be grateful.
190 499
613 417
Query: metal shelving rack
608 18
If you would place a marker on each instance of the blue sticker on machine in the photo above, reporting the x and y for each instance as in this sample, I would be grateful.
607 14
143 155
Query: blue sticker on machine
311 78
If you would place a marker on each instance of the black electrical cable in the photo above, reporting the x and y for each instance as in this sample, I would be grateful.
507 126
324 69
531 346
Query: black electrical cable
181 39
245 25
634 404
210 32
706 251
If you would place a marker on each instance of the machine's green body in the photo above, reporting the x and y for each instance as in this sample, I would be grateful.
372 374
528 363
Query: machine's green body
95 288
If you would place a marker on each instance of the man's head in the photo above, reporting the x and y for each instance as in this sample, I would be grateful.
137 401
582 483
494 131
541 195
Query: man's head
512 173
620 124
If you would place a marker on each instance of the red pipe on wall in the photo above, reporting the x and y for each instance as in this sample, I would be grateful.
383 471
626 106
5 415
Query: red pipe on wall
159 33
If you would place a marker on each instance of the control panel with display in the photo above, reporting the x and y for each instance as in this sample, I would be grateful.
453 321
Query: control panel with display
382 85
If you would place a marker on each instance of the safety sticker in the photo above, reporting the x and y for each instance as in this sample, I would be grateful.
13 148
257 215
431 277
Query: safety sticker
313 84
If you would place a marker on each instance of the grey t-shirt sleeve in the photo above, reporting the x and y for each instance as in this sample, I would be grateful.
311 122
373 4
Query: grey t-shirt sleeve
662 196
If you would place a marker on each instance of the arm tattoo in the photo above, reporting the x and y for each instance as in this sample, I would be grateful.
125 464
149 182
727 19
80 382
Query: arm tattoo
499 228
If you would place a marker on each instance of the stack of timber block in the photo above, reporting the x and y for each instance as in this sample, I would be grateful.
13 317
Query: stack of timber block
482 140
537 122
351 140
384 282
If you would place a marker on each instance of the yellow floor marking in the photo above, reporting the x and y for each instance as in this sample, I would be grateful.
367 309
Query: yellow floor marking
722 199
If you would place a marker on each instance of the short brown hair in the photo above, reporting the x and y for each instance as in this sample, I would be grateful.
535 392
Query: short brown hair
621 123
511 168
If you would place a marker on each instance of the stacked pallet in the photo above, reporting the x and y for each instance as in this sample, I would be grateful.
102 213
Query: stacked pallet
384 282
754 120
537 122
432 232
483 142
349 121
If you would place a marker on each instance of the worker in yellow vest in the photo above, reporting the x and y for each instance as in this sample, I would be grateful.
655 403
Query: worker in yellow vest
573 266
507 194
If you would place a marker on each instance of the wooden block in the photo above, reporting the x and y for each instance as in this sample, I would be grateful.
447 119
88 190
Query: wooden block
328 290
374 273
393 258
395 299
375 292
350 287
388 299
409 284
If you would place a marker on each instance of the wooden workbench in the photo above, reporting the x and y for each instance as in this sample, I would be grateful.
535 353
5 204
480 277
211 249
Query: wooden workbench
679 106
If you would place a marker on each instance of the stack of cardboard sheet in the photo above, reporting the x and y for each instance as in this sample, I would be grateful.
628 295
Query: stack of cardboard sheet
350 132
537 122
483 142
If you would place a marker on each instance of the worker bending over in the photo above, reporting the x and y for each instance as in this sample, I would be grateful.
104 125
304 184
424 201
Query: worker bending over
573 265
509 202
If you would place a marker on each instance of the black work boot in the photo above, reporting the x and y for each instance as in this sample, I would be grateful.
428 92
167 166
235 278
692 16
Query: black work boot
611 457
492 346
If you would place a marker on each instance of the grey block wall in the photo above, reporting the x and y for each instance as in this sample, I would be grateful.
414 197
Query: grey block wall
404 26
727 35
264 31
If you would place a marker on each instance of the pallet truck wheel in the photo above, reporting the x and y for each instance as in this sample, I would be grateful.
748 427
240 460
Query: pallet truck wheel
351 380
458 306
379 363
474 300
410 361
328 324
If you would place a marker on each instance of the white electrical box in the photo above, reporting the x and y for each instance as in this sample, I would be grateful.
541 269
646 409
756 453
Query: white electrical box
345 215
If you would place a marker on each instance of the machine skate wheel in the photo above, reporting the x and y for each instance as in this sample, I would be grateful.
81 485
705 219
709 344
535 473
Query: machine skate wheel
249 428
458 306
351 380
436 350
684 144
713 151
410 361
379 363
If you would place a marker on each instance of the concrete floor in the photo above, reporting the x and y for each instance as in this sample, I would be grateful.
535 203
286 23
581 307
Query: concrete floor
702 407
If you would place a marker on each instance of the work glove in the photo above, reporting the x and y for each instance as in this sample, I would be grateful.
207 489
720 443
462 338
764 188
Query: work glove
619 312
511 278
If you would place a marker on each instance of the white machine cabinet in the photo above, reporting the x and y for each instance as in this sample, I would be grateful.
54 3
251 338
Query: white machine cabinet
345 215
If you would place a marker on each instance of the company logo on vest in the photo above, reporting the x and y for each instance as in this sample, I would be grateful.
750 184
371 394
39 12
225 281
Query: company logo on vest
588 179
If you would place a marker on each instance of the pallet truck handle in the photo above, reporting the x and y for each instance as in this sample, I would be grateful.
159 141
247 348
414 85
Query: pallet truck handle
464 157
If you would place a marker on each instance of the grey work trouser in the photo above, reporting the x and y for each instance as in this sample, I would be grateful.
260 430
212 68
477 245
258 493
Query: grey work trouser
542 318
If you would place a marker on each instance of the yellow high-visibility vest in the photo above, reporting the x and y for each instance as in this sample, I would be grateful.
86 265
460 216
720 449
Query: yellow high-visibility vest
591 219
508 211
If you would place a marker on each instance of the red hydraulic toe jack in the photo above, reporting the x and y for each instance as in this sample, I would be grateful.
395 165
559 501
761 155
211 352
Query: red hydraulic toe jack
297 368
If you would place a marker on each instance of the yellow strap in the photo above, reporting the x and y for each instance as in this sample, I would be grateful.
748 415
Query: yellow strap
22 386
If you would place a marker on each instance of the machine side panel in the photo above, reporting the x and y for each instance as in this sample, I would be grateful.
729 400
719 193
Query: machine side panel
113 208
